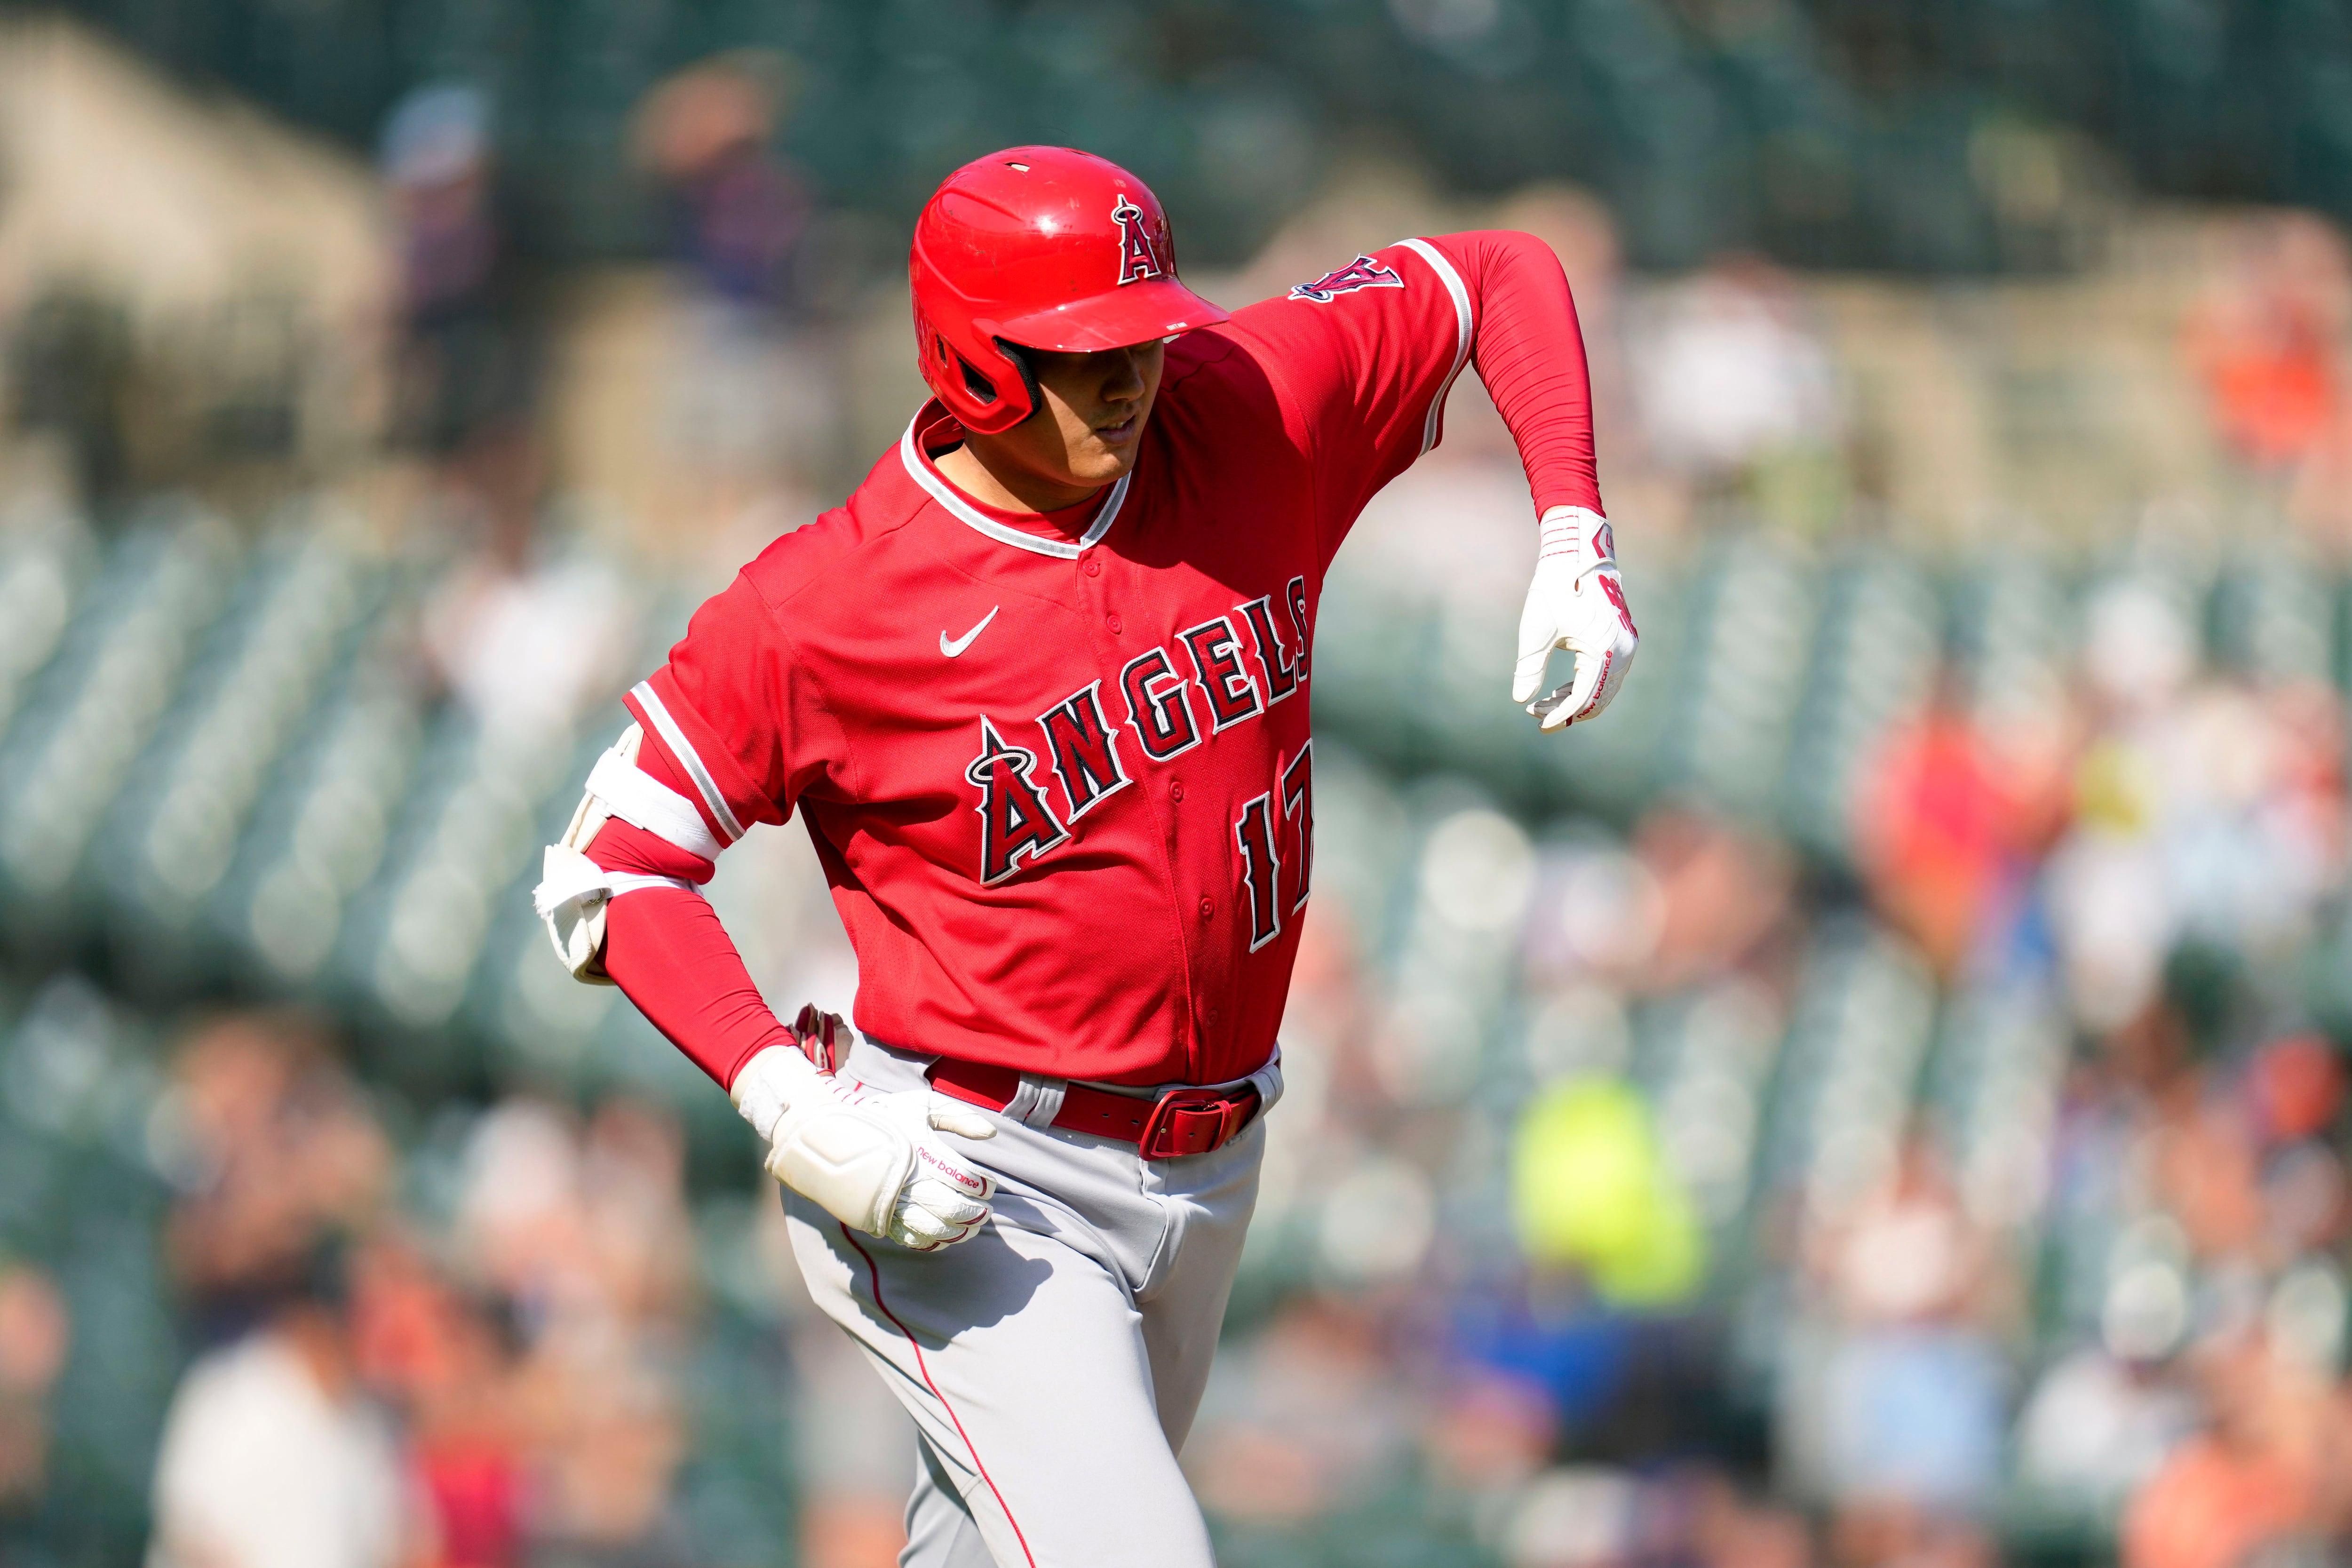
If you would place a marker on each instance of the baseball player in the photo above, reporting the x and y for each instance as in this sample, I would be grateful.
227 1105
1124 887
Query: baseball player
1039 691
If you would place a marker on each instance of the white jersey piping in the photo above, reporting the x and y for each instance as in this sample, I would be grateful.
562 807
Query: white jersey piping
1462 332
944 493
679 747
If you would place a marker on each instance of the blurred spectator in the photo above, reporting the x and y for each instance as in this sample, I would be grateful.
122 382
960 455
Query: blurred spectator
1489 1432
2268 336
585 1230
1595 925
1737 389
1942 833
1724 894
1591 1192
2097 1427
530 1358
445 1360
2293 1091
2271 338
276 1149
470 375
2203 810
1724 1529
35 1331
1911 1408
2102 1418
526 636
2206 1168
528 642
1589 1516
738 214
750 403
1580 1517
563 1218
1541 1350
2247 1485
2296 1084
1304 1421
272 1458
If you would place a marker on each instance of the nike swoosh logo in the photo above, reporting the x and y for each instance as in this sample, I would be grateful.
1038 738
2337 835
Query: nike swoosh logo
963 642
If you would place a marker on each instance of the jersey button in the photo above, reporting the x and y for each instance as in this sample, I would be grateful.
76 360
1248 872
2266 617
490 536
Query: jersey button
1208 908
1093 567
1115 625
1211 1015
1176 790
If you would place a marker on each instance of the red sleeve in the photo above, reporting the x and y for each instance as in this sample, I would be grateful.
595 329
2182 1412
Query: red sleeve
1365 355
666 949
1529 351
722 722
669 954
732 714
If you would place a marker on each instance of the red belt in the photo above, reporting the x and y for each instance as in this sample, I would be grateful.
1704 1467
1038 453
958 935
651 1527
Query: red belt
1180 1122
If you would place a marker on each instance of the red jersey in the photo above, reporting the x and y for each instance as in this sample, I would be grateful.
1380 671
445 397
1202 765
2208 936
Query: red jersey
1059 769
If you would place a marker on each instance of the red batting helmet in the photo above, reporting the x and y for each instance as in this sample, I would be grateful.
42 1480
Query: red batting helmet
1044 247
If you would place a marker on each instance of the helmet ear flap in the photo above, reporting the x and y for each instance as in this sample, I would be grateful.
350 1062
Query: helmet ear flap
979 386
981 397
986 391
1020 358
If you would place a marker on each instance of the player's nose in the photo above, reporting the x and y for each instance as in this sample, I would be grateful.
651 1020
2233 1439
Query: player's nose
1122 376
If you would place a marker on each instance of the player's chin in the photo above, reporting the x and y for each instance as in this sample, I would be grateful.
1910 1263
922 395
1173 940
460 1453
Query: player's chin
1109 454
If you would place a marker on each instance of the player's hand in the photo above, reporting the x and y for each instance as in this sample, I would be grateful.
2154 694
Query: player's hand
1576 602
873 1160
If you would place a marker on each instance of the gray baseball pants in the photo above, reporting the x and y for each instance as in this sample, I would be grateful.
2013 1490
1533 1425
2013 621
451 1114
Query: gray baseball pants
1053 1362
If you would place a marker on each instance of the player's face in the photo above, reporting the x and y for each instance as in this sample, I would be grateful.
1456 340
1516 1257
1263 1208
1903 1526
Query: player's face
1090 426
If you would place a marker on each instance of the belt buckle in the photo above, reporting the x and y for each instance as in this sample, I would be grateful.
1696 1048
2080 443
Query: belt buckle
1174 1127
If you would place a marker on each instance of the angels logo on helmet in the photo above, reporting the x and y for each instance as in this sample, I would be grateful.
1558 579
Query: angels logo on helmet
1361 273
1139 256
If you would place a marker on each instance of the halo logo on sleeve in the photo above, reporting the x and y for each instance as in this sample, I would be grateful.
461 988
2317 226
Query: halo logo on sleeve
1139 256
1361 273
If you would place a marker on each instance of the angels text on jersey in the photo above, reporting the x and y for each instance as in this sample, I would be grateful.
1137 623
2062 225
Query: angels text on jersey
1038 776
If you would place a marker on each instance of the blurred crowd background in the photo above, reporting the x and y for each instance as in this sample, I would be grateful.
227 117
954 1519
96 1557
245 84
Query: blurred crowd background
1877 1097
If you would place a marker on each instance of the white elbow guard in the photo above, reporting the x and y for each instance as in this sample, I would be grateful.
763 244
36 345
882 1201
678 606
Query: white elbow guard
574 890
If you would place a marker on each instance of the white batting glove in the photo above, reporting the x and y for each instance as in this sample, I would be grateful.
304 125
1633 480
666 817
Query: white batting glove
1576 602
873 1160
